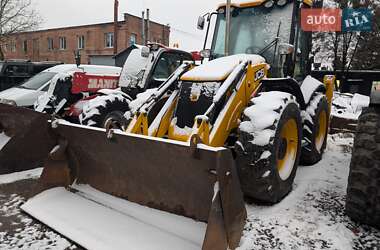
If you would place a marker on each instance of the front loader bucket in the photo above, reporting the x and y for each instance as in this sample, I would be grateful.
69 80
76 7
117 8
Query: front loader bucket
25 139
161 176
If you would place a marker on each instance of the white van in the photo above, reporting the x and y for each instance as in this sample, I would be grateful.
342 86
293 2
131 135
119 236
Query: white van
26 94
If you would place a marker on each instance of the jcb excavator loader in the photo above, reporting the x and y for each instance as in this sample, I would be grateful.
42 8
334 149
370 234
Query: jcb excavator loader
238 122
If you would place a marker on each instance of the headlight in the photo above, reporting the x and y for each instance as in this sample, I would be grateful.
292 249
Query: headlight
8 102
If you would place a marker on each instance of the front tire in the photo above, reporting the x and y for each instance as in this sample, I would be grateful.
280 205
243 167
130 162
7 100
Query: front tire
269 146
104 111
315 130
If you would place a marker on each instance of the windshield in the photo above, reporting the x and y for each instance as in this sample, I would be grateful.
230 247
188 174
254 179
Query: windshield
168 63
38 81
252 30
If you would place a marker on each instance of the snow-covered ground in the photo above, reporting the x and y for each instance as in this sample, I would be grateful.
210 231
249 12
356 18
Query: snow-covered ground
311 217
349 106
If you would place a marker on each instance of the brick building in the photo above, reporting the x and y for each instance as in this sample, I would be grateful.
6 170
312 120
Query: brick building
95 42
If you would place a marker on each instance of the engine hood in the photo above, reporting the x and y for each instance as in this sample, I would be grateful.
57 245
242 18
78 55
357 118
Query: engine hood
219 69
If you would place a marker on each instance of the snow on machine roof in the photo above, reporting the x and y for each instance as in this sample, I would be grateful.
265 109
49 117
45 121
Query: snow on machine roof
91 69
219 69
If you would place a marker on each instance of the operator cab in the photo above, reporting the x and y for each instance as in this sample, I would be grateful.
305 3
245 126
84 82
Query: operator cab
149 66
269 28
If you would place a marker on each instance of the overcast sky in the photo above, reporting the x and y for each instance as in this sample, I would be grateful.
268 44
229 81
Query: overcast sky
181 15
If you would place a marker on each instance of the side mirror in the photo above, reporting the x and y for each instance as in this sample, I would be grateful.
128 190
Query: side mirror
201 23
206 53
145 51
285 49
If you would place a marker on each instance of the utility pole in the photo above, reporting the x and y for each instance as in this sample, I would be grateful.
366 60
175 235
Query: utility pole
143 28
228 28
148 25
116 26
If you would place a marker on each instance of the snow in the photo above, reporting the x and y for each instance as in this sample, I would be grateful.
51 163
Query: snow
359 102
312 215
265 155
216 190
18 231
219 69
134 65
91 107
55 149
264 114
348 106
141 99
310 110
308 87
208 89
29 174
113 91
4 139
112 223
186 131
100 70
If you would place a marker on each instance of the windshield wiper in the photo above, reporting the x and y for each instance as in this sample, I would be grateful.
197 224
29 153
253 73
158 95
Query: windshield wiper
270 45
274 42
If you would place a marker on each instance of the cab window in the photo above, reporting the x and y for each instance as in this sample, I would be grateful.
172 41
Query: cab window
166 65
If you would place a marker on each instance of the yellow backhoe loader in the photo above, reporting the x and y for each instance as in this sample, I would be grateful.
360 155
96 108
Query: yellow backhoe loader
237 125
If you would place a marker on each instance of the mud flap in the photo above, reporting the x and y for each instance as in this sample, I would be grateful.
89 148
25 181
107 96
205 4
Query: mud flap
160 174
30 139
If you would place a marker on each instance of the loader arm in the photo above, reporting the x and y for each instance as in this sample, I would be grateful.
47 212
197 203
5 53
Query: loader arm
234 94
139 123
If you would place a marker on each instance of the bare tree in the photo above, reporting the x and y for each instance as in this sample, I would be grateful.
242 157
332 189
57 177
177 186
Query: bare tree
16 16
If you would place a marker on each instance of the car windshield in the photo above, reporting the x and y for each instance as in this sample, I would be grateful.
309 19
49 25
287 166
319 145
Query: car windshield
38 80
252 30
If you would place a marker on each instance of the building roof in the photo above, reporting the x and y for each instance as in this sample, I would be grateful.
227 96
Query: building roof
87 25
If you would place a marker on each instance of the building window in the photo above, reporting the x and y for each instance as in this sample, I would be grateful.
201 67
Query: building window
132 39
13 46
25 46
62 43
80 42
108 40
50 44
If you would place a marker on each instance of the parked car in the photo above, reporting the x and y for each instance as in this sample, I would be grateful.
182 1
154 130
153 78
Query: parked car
26 94
15 72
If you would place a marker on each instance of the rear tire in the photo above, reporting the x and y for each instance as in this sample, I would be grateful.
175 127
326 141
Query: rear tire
105 109
269 146
315 130
363 194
